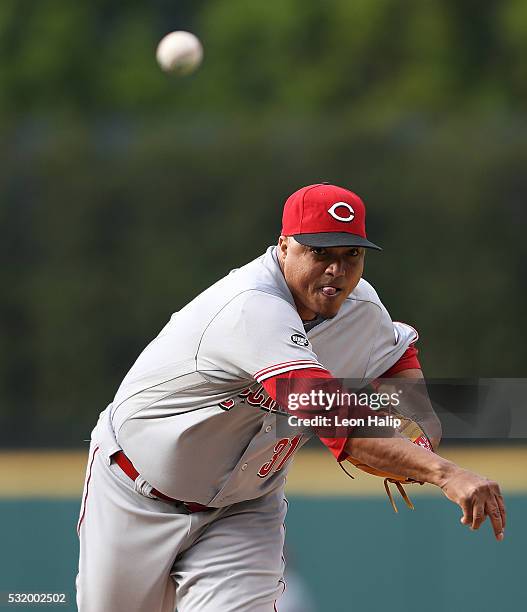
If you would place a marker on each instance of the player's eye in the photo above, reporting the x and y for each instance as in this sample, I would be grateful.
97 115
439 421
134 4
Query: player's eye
318 251
354 252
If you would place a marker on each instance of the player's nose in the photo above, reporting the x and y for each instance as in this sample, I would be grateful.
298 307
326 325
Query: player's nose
336 268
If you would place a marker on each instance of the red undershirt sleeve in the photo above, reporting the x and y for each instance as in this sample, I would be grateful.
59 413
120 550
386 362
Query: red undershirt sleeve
407 361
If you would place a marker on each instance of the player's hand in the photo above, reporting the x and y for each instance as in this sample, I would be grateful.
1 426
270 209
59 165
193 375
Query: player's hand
478 497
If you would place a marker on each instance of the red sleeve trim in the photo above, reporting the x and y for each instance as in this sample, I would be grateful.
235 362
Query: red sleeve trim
269 384
85 500
411 327
408 361
286 366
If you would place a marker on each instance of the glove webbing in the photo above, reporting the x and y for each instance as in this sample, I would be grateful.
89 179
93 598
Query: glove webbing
399 486
403 493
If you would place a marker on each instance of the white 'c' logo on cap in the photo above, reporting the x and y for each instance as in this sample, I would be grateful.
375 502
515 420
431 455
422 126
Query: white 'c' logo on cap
333 212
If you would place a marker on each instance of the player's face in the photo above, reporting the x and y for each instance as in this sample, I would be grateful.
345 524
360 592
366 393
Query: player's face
320 279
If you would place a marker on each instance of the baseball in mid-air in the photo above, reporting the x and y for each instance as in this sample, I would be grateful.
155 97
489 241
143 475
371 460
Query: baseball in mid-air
179 53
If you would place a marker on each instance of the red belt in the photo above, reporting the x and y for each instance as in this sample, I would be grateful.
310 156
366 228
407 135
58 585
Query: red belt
127 466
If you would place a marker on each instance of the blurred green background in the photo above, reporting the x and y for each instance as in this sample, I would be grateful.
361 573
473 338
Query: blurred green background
124 192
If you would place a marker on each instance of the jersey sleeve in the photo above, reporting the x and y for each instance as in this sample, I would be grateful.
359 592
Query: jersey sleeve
391 343
256 335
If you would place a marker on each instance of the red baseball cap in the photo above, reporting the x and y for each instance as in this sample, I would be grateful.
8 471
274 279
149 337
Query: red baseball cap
324 215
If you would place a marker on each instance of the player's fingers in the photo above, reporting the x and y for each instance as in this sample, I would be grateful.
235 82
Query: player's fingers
478 515
466 506
494 513
495 488
501 506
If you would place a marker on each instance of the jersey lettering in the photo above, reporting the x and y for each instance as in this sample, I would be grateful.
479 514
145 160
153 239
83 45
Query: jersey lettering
257 397
279 449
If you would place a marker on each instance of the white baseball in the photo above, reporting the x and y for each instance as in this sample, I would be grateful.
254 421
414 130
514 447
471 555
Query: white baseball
179 53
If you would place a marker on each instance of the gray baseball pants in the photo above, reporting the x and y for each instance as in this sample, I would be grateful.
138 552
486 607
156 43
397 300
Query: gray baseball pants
139 554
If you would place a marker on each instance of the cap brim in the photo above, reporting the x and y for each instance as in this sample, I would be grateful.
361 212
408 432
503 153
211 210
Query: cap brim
334 239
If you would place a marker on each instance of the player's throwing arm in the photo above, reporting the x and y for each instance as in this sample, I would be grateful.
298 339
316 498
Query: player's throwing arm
477 496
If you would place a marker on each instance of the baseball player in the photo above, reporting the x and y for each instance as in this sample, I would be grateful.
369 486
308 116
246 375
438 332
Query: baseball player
183 502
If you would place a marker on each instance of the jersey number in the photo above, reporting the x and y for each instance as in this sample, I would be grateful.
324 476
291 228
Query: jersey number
280 455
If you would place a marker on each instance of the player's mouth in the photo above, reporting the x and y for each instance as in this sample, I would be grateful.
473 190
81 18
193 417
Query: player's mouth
329 291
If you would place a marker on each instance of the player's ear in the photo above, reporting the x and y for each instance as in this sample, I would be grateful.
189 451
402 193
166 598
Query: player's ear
282 246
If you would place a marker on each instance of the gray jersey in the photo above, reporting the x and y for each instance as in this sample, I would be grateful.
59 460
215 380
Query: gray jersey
192 415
